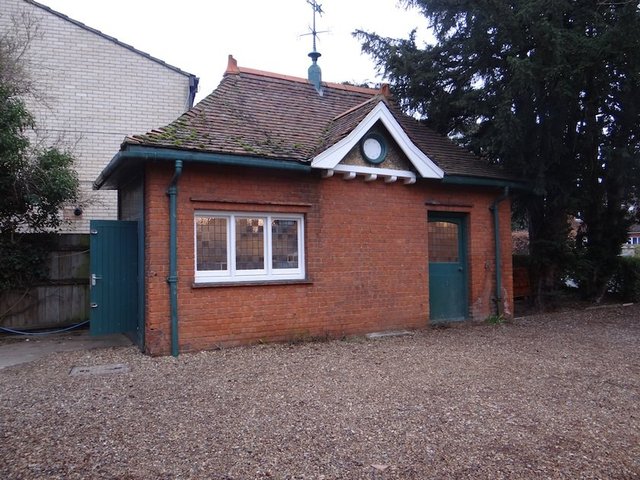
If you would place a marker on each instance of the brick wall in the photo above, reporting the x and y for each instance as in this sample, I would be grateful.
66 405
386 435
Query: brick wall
95 92
366 256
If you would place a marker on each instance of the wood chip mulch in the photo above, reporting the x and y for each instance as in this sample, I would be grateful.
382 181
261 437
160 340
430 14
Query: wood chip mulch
549 396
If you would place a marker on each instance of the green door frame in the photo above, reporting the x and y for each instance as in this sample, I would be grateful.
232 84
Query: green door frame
461 220
141 287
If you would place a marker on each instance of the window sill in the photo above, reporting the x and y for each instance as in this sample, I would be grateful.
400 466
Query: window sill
257 283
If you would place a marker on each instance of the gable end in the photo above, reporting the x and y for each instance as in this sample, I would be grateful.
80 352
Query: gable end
330 158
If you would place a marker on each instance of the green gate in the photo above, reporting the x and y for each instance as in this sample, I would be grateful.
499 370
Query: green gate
114 277
447 268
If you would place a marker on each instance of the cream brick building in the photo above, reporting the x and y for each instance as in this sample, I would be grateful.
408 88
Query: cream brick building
97 90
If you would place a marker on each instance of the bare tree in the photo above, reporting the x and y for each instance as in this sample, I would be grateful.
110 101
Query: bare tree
14 62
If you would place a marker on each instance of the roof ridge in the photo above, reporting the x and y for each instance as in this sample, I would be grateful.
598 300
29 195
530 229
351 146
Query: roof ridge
110 38
379 98
291 78
234 69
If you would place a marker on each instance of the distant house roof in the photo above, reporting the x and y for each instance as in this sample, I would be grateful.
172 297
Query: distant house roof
110 38
635 228
260 114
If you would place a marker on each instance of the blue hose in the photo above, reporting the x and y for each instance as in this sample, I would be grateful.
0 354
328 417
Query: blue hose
22 332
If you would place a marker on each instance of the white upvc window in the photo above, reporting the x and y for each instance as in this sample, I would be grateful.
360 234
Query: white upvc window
246 247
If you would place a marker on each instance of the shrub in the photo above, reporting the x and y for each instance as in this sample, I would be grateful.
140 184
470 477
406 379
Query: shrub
24 260
626 280
520 242
495 319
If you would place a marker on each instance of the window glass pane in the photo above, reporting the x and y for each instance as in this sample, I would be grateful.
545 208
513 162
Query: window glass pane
284 237
249 243
443 242
211 243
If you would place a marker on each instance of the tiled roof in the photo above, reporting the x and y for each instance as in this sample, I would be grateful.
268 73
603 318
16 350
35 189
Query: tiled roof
261 114
340 126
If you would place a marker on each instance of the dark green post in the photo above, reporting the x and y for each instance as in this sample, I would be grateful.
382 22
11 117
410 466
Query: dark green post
172 279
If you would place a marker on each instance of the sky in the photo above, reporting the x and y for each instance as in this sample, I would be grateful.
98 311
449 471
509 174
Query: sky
198 35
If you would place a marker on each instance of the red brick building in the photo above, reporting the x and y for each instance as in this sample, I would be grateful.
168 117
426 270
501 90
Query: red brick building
277 209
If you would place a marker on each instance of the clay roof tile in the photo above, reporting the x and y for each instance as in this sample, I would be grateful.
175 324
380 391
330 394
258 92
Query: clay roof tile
263 114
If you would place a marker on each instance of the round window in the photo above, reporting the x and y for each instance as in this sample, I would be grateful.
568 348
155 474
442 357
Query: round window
373 148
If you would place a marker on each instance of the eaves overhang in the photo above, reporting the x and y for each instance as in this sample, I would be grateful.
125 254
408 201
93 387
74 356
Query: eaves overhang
471 180
132 156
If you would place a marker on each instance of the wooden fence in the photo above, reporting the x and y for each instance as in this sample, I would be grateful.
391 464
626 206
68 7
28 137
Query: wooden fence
61 300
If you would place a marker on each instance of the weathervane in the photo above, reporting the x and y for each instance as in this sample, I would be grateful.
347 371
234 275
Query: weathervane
317 8
315 75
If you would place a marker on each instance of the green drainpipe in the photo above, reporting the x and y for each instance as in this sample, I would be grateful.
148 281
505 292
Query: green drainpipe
172 279
496 236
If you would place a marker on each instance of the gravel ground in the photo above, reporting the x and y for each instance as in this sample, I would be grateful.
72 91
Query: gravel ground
553 396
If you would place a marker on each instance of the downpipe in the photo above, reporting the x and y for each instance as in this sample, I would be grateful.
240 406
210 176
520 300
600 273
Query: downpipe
498 259
172 279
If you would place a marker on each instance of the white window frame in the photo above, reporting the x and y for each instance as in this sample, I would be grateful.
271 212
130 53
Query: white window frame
231 274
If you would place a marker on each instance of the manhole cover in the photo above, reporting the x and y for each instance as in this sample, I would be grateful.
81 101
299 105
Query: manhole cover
99 369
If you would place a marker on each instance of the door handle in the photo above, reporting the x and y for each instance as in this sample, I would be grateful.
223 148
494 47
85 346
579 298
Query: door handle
94 305
95 277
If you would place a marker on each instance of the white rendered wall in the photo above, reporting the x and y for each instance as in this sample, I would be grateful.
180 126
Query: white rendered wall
96 92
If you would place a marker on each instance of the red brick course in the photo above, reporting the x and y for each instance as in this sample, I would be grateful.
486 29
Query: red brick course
365 248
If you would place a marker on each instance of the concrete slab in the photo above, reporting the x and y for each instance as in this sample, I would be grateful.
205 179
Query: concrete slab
15 350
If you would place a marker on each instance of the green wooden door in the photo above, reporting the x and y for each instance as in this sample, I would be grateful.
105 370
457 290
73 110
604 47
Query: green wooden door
114 277
447 269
